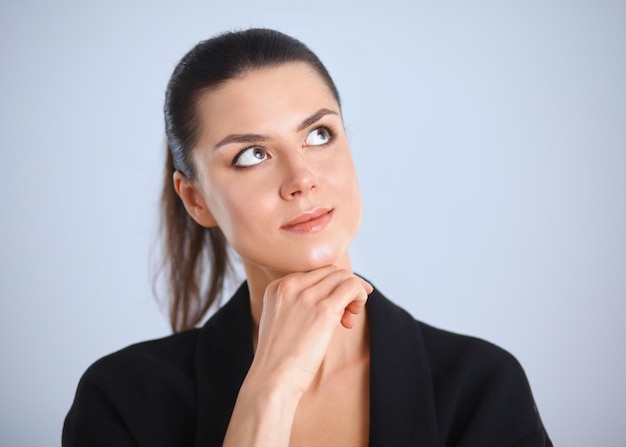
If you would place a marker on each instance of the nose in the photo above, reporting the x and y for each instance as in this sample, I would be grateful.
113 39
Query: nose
299 178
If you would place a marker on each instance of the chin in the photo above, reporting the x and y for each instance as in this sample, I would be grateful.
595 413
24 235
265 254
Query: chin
300 257
320 256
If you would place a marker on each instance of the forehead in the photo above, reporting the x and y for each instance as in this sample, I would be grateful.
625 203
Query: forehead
264 99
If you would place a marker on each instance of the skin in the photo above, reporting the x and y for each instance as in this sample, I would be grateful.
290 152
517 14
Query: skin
275 173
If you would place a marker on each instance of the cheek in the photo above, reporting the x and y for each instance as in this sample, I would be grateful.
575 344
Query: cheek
345 185
357 205
355 198
345 179
239 210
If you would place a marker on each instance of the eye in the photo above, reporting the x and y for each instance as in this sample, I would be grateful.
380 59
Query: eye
250 156
318 137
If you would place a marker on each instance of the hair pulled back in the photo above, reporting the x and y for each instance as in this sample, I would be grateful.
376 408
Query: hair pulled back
195 258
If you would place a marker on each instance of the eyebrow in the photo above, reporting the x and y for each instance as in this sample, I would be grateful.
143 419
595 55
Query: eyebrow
315 118
253 138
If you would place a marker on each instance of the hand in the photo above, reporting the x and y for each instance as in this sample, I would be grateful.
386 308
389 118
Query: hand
300 314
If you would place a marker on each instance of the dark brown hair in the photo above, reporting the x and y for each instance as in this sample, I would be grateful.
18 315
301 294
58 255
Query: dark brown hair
195 258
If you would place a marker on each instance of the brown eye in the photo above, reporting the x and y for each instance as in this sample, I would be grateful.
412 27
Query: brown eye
318 137
250 156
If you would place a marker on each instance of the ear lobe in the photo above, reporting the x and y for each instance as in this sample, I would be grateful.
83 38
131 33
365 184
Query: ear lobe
193 201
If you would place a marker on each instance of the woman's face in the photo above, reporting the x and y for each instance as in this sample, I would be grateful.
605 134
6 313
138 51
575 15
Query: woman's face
275 171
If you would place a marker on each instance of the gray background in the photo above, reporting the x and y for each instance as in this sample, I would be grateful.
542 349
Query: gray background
490 142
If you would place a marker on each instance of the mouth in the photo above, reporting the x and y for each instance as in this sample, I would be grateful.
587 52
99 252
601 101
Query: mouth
310 221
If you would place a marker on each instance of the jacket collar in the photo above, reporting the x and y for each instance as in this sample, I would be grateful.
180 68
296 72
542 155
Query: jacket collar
223 356
402 404
402 401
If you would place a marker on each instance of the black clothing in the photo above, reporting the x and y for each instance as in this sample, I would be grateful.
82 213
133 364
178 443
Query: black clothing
428 387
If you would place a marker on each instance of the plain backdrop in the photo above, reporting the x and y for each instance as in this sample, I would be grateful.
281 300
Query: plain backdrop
490 142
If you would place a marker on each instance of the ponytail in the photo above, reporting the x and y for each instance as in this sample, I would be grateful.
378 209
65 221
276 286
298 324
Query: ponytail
195 259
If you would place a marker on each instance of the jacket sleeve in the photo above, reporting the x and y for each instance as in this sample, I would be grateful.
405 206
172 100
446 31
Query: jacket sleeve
94 419
483 396
502 405
135 397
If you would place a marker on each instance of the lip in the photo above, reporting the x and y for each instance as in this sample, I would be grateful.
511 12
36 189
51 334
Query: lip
309 221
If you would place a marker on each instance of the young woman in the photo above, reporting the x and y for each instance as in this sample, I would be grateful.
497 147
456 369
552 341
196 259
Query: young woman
306 353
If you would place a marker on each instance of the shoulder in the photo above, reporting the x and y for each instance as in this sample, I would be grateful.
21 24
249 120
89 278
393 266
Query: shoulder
462 355
455 361
143 394
149 394
483 395
480 392
174 355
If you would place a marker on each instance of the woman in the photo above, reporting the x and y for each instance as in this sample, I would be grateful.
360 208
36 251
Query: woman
305 353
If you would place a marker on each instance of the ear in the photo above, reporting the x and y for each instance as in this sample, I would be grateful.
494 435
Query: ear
193 201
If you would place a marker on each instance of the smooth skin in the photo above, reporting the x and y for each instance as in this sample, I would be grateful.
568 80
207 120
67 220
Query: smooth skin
275 173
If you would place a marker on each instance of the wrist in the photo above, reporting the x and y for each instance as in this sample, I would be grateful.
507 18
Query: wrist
278 391
263 415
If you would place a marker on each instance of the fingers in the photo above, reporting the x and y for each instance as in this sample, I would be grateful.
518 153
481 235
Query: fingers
331 291
295 284
341 290
300 314
318 283
350 296
349 316
367 286
326 285
304 280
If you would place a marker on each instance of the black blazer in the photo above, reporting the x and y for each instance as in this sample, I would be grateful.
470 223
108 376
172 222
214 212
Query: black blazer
428 387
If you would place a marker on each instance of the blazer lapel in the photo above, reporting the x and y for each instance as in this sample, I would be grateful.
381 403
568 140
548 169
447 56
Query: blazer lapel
223 356
402 403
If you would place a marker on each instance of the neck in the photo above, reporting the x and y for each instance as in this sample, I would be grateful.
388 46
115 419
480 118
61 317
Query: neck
348 347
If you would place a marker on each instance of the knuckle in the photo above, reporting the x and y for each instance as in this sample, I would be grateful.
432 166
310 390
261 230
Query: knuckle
272 288
307 296
326 308
286 287
352 283
353 280
343 273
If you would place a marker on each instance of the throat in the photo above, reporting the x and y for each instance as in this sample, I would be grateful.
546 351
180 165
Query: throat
335 411
349 351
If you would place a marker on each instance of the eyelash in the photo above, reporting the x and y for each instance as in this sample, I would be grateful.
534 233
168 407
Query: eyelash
331 138
233 163
331 134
